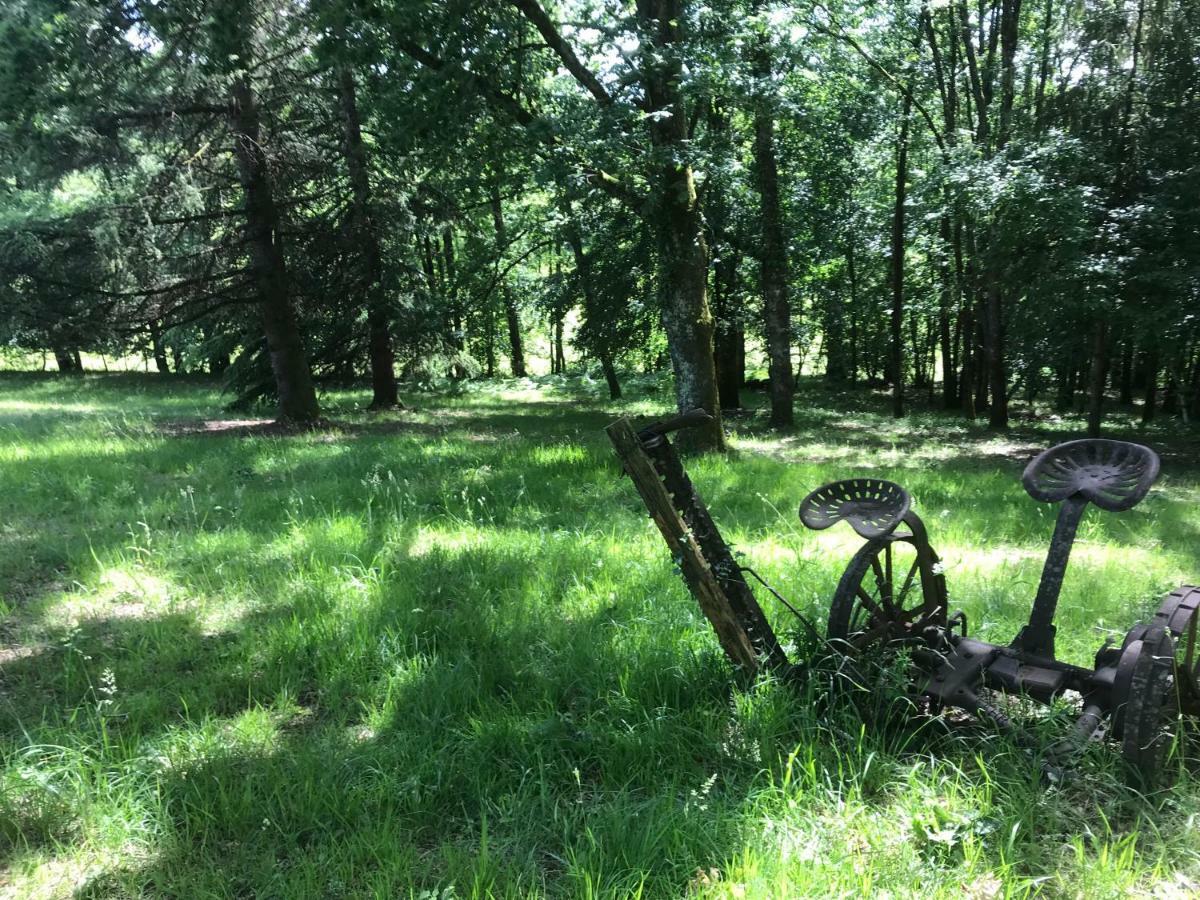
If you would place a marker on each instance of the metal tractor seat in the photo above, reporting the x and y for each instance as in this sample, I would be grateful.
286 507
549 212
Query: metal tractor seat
1114 475
873 507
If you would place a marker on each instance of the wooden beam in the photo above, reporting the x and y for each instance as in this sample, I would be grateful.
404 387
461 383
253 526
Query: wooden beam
697 573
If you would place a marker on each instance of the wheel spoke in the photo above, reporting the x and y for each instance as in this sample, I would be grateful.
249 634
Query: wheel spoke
880 580
869 612
888 562
883 579
866 638
929 619
908 580
869 602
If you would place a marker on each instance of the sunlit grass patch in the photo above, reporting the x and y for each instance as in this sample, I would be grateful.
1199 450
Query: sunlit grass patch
445 650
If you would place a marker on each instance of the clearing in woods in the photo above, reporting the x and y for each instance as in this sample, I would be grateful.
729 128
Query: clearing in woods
442 653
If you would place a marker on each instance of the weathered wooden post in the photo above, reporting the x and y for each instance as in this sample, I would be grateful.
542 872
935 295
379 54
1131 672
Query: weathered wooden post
708 567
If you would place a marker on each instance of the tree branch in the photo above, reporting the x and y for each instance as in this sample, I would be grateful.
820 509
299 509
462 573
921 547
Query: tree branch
523 117
144 116
842 35
532 10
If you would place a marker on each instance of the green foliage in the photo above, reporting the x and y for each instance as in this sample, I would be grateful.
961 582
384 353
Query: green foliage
1052 173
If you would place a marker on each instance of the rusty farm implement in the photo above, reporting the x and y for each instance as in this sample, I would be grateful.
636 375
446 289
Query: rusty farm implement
893 596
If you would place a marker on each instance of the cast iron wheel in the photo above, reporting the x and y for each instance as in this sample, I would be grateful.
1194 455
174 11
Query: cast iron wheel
1178 614
884 598
1144 698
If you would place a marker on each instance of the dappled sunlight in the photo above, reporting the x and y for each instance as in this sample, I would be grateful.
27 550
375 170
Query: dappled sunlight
113 592
121 593
44 875
323 643
450 543
326 538
558 455
66 450
30 407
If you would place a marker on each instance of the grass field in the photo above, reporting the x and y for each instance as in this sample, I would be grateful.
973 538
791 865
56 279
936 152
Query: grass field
443 654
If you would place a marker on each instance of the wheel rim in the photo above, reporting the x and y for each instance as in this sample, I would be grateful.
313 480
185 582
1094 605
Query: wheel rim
1144 709
1179 615
885 597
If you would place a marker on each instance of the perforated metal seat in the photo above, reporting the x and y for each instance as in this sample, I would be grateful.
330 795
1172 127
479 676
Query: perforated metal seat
1115 475
873 507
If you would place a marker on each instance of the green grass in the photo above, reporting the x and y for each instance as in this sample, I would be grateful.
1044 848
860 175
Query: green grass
443 654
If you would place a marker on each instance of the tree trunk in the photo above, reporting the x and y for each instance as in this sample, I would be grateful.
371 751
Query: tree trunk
583 269
966 384
947 301
981 367
1096 379
1009 27
289 363
517 357
932 342
560 358
962 324
429 266
997 374
975 83
683 249
1010 31
218 362
730 336
1043 66
852 276
920 377
489 344
777 316
610 376
1126 380
730 359
65 359
833 328
897 263
516 351
1194 390
1064 393
160 352
1170 397
1189 389
381 356
449 279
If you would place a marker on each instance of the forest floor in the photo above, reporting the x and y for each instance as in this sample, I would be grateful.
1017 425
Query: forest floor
442 653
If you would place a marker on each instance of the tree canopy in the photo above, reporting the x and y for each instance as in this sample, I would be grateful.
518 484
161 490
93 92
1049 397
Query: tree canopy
983 203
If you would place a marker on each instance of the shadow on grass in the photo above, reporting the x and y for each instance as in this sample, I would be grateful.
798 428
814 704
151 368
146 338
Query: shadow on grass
392 734
477 742
426 684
